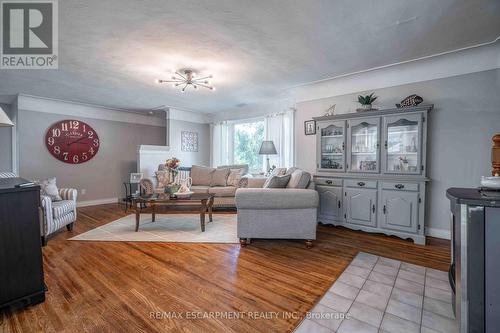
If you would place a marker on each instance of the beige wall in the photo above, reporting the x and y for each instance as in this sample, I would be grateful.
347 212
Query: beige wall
466 116
102 177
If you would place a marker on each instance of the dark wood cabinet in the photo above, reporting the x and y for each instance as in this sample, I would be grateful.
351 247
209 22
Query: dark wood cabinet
21 267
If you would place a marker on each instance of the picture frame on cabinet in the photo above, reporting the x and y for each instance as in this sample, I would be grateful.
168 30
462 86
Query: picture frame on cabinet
310 127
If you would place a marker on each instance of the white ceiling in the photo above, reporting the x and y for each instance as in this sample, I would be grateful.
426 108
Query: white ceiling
110 51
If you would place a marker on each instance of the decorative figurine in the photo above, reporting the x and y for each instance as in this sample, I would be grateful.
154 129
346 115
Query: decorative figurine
412 100
330 111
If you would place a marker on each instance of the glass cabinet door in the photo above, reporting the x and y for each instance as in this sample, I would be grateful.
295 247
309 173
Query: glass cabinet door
403 144
331 147
364 145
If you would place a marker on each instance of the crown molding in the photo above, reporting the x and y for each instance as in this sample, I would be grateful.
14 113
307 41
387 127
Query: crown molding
84 110
468 60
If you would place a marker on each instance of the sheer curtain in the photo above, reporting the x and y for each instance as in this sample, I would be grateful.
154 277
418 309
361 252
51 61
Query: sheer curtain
221 147
280 129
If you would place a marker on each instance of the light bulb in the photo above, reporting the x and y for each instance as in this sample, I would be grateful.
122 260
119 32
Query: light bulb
212 88
157 81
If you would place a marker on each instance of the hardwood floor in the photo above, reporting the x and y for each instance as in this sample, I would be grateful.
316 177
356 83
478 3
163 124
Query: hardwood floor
118 286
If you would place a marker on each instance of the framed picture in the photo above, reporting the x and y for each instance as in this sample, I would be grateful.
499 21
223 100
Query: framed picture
135 178
189 141
310 127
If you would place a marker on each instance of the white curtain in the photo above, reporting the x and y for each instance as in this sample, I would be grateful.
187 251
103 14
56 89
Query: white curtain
280 129
220 149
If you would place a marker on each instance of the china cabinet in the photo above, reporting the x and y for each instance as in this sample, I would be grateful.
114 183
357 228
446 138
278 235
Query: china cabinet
371 170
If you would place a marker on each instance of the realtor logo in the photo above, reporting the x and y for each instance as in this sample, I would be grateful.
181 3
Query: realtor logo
29 34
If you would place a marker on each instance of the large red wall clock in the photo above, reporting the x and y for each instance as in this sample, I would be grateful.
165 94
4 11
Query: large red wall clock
72 141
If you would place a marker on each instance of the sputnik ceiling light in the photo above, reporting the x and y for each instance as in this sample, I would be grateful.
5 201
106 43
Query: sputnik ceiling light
188 78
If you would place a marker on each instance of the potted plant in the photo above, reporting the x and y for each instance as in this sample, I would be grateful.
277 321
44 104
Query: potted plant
366 102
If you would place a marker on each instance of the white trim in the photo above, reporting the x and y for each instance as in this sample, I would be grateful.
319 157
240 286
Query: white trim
459 62
56 106
438 233
150 149
96 202
192 117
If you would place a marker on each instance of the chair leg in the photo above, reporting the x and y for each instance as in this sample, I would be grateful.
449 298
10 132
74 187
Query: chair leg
243 242
44 240
70 226
309 243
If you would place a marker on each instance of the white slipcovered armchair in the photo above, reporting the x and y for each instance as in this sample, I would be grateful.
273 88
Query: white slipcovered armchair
57 214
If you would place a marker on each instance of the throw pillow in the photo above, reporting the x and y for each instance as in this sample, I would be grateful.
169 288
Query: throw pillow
234 177
291 170
278 172
219 177
277 181
299 179
48 188
201 175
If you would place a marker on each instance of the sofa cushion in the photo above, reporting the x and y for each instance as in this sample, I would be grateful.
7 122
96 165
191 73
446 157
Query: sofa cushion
48 187
223 191
235 166
275 198
201 175
199 189
277 181
234 177
61 208
299 179
219 177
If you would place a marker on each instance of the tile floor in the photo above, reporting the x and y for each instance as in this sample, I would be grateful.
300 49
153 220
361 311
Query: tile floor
377 294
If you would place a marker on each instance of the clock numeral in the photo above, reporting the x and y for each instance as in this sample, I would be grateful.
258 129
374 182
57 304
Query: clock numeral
64 127
91 150
57 150
90 134
84 156
96 142
65 154
74 124
84 128
56 132
75 158
50 141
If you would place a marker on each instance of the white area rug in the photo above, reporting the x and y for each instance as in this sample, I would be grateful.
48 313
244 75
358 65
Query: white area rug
180 228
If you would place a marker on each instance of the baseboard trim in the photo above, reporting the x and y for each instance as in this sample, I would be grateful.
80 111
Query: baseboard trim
438 233
96 202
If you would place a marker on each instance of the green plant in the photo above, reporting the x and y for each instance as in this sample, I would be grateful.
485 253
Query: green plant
367 100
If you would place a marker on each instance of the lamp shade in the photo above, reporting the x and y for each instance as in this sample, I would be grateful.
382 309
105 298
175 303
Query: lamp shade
4 119
267 148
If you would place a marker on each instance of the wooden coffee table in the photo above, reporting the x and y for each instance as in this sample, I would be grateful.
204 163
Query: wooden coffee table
201 203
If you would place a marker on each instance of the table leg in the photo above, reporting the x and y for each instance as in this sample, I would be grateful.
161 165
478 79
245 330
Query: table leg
202 214
210 206
153 215
137 218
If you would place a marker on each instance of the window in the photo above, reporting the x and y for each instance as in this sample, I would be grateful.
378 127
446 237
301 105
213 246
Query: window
248 137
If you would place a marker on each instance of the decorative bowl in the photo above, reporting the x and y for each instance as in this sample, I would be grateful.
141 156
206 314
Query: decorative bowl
183 194
490 182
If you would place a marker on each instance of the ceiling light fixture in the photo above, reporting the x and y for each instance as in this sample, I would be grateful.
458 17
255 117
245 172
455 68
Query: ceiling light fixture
188 79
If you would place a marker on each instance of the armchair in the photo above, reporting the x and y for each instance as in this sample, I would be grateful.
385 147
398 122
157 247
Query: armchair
58 214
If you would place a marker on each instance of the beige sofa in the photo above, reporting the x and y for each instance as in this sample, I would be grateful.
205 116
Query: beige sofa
215 180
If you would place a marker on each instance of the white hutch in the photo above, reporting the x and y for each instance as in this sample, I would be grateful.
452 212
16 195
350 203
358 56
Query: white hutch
371 170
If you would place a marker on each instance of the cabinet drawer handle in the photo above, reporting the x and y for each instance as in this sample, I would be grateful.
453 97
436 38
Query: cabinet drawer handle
399 186
385 210
361 184
339 203
329 182
373 208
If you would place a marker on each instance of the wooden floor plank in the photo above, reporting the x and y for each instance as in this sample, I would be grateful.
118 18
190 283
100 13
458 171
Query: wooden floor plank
115 286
